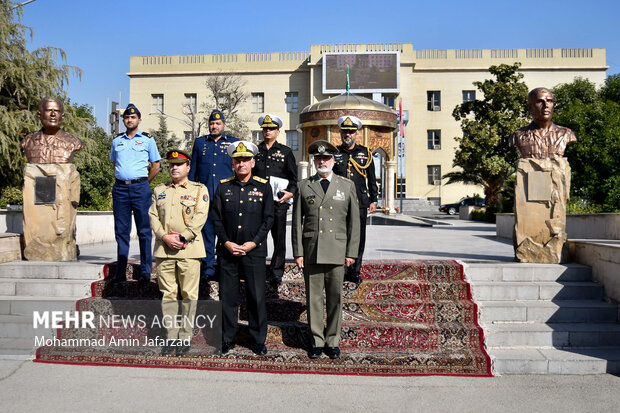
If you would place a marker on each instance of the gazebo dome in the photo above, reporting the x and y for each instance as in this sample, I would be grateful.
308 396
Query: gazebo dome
327 111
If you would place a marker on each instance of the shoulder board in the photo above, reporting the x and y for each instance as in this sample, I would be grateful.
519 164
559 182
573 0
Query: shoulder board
119 134
259 179
226 179
148 135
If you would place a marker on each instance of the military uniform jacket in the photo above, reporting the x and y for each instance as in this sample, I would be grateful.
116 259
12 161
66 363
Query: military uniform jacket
210 161
183 209
277 161
357 165
242 212
326 226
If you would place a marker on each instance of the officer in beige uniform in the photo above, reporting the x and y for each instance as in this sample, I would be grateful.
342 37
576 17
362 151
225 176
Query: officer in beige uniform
177 214
326 232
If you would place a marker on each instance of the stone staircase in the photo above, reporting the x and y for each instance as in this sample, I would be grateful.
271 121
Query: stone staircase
545 319
26 287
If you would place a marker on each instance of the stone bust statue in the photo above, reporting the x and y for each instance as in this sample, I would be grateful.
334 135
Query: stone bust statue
51 144
542 138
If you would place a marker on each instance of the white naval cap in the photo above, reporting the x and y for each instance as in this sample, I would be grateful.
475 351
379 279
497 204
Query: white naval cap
349 122
270 121
244 149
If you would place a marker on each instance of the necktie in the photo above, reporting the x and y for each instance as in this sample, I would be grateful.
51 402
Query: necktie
325 184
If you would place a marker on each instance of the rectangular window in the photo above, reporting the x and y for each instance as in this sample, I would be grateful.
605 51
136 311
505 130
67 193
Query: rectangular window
291 139
257 136
191 102
388 101
469 95
258 102
434 139
433 99
434 174
292 101
158 104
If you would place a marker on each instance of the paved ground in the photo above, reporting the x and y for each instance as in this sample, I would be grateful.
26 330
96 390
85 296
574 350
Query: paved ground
26 386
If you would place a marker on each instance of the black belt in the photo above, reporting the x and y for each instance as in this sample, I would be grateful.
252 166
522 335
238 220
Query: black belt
131 181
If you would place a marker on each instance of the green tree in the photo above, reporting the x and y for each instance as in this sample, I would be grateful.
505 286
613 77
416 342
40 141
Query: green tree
25 77
165 142
594 116
484 156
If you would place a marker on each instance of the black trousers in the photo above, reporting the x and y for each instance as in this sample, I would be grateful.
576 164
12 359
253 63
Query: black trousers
355 268
252 268
278 234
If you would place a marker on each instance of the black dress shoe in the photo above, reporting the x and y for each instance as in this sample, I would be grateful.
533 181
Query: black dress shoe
167 350
227 346
315 352
182 350
332 352
352 277
260 349
144 279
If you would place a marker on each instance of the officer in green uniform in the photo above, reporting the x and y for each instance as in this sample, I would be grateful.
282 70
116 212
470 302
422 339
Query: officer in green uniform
326 232
177 214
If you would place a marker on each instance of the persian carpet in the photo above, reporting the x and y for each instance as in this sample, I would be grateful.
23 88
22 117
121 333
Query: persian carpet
405 318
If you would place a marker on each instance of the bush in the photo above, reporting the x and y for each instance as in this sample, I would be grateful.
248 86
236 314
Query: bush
11 196
484 214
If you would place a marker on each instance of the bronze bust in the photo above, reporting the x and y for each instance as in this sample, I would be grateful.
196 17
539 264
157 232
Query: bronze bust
51 144
542 138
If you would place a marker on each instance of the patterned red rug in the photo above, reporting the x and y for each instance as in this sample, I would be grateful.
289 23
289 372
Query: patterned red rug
406 318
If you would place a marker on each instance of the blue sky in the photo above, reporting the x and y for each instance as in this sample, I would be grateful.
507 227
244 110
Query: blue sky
99 36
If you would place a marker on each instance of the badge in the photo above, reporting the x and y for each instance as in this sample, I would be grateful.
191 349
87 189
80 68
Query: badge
339 196
188 210
311 201
162 196
205 197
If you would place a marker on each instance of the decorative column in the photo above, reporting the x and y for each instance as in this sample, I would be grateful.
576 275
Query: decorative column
390 171
302 170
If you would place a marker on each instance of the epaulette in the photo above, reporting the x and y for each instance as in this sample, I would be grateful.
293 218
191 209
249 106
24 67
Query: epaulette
148 135
119 134
259 179
226 179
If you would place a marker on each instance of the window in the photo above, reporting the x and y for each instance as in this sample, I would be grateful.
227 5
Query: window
158 104
292 101
258 102
388 101
191 102
469 95
434 174
433 98
291 139
434 139
257 136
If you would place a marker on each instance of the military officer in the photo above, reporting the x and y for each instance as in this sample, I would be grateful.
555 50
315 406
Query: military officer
355 162
276 163
242 213
211 163
132 152
178 212
325 238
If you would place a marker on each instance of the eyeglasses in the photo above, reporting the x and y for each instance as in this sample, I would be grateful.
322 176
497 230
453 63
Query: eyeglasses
270 128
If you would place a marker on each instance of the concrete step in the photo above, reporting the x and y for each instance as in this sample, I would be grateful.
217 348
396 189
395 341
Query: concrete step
45 288
21 326
520 272
26 305
17 348
555 361
576 311
504 290
559 335
51 270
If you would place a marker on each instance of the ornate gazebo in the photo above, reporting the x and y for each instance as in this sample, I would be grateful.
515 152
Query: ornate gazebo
380 122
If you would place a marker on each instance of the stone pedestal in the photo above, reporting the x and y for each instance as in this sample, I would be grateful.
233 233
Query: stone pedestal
390 171
51 196
302 170
541 195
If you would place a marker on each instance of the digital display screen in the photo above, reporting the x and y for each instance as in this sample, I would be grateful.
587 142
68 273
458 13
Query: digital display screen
368 72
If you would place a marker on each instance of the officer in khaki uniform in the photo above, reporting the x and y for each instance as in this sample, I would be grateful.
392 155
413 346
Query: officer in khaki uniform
325 235
177 214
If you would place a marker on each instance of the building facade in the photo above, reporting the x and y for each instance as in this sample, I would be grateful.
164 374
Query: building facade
431 84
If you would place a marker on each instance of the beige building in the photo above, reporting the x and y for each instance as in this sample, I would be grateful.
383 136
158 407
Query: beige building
431 84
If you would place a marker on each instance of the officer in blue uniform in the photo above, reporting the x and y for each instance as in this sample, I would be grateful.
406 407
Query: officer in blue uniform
132 153
242 212
210 164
